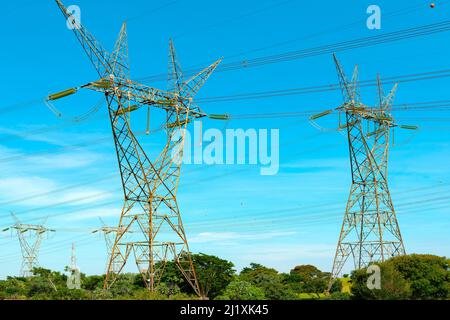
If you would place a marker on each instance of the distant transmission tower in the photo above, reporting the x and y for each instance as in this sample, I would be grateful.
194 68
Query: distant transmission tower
110 234
150 187
30 237
74 280
370 231
73 258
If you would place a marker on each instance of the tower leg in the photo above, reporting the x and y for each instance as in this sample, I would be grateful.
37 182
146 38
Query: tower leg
120 252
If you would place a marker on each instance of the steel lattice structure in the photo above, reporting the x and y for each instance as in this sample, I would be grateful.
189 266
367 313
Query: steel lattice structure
109 234
30 238
150 187
370 231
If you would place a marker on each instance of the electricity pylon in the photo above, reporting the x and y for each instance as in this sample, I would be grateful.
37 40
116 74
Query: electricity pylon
30 238
74 280
370 230
150 188
73 258
110 234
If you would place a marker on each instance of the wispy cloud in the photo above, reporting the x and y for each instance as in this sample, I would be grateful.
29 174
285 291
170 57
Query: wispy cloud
31 180
47 134
37 191
18 161
66 160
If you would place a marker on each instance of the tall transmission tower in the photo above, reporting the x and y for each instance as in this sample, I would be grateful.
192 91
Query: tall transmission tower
370 230
150 187
30 238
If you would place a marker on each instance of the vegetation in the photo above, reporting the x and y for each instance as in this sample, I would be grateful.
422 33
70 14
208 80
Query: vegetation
407 277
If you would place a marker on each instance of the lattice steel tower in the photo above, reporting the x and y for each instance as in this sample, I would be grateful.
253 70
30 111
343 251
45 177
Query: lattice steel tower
370 231
109 234
150 187
30 238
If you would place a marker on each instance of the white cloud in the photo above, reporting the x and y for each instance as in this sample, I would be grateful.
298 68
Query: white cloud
65 160
47 135
17 161
32 192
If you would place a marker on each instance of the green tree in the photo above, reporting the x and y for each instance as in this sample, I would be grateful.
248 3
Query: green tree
124 285
269 280
213 274
307 272
242 290
393 285
309 279
13 288
428 275
407 277
92 283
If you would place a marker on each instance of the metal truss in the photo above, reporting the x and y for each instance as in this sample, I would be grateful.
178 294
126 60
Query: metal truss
150 187
30 238
370 231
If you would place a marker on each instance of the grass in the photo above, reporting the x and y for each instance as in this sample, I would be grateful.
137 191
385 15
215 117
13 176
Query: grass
311 296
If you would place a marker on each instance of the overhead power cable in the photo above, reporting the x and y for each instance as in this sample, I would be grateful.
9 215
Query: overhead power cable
429 75
409 33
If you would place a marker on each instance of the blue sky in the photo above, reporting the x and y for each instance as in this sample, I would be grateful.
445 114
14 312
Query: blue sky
229 211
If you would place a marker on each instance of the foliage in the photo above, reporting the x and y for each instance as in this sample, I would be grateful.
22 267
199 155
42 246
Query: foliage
242 290
93 283
309 279
269 280
407 277
393 285
428 275
339 296
213 274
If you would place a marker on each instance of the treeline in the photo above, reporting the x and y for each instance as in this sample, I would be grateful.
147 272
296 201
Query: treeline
407 277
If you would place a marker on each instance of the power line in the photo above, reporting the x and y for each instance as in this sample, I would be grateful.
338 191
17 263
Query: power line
93 196
304 220
271 215
433 105
429 75
196 182
81 199
332 30
426 75
424 30
94 181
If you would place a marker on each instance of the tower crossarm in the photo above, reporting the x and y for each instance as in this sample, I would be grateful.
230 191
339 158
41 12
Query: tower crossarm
142 95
